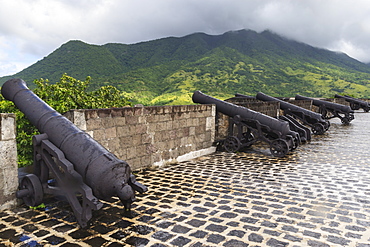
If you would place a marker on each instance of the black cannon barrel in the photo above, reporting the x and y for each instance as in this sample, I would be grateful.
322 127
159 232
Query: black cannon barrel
106 174
340 96
355 104
327 104
244 96
232 110
286 105
350 99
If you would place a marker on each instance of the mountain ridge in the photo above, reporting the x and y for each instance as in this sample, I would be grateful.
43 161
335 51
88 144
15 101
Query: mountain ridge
165 71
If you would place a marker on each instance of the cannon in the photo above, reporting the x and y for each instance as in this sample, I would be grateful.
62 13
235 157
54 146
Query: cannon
68 162
354 103
303 131
251 126
318 125
330 110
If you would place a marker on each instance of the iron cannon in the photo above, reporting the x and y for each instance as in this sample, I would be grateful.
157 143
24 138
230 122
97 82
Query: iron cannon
303 131
330 110
248 126
81 169
307 117
354 103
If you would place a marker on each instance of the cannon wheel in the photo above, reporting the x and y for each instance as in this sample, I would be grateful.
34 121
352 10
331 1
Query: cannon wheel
232 144
31 190
318 129
345 121
279 148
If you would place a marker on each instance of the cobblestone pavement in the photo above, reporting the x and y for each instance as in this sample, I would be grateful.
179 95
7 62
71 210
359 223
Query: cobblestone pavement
317 196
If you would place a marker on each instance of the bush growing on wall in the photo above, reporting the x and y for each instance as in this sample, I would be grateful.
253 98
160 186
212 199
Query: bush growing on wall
69 93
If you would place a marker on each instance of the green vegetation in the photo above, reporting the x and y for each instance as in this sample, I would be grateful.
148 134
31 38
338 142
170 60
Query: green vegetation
167 71
69 93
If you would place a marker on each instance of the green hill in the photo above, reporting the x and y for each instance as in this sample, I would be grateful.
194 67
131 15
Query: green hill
168 70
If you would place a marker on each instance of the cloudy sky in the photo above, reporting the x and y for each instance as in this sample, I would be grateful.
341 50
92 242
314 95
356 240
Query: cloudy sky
32 29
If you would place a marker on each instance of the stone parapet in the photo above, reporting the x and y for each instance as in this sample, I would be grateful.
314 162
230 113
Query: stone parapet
154 135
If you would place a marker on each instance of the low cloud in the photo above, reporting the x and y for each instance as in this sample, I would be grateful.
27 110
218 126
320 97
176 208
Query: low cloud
36 28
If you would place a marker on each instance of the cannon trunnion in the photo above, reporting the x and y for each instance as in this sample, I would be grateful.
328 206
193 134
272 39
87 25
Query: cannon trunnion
83 170
247 126
330 110
318 125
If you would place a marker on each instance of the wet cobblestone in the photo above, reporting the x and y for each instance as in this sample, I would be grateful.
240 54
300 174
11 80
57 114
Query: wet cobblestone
317 196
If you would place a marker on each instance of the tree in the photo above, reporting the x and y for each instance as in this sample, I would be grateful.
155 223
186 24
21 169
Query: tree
69 93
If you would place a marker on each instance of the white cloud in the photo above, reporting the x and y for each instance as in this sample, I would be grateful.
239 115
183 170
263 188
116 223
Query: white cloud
35 28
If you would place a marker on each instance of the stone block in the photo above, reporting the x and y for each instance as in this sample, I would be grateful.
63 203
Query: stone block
192 131
111 133
78 119
172 134
94 123
131 152
11 180
200 129
119 121
107 122
138 111
131 120
113 145
91 114
128 111
157 137
103 113
141 128
7 126
168 125
135 163
116 113
210 123
125 142
123 131
99 134
151 149
146 138
145 161
8 161
189 122
182 123
136 140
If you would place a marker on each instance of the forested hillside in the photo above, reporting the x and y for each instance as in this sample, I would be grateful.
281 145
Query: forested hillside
168 70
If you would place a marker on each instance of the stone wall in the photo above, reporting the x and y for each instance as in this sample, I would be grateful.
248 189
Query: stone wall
306 104
147 136
8 161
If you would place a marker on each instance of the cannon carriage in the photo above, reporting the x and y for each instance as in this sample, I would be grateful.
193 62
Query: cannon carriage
247 127
330 110
83 170
354 103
